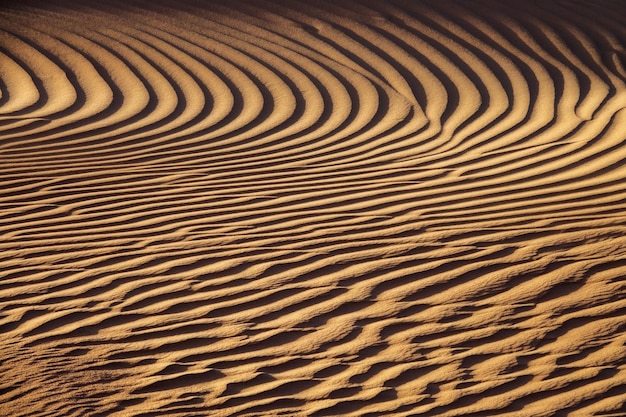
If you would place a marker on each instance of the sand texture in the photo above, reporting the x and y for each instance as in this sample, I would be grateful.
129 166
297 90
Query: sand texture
312 208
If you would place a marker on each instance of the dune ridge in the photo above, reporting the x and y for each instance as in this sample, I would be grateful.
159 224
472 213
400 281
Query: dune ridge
312 208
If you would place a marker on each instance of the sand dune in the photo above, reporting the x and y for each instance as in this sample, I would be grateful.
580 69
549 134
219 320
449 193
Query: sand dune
312 208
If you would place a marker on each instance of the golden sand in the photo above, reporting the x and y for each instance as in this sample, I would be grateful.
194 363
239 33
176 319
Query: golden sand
312 208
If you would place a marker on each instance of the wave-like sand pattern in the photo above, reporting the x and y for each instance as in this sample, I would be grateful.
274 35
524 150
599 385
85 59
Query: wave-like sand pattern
313 208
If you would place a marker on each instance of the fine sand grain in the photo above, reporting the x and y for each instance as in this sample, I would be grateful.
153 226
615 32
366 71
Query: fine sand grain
312 208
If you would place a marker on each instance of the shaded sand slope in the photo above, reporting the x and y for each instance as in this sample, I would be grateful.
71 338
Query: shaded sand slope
312 208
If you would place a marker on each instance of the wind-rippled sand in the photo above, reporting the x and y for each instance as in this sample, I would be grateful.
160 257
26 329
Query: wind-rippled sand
305 208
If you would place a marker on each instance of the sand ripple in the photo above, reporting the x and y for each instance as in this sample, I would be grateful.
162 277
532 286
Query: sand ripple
312 208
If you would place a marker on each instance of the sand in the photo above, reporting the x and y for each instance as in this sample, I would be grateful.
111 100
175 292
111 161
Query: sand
312 208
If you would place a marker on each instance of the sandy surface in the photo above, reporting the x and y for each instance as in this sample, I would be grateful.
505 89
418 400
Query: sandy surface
258 208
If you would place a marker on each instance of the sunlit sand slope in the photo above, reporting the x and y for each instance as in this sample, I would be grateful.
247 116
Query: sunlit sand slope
306 208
